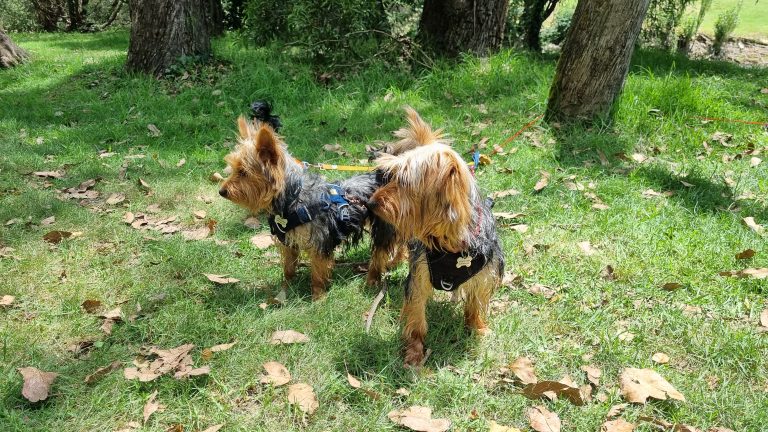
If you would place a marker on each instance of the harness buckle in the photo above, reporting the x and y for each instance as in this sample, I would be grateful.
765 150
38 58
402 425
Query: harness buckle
446 286
344 213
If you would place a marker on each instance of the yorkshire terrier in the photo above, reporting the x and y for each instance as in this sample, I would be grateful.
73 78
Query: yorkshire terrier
432 199
305 212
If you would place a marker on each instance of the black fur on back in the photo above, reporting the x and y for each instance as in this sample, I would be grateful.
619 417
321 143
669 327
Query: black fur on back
326 233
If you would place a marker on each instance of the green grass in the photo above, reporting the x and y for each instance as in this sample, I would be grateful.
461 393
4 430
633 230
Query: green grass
74 99
752 19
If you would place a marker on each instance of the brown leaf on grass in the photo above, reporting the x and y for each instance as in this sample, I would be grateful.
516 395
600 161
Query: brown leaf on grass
542 419
508 215
55 237
221 279
151 406
48 221
745 254
685 428
764 318
661 423
637 385
262 240
639 157
608 273
600 206
304 396
671 286
115 314
199 214
353 382
6 300
178 427
504 193
616 410
543 181
196 234
495 427
37 383
522 367
49 174
128 217
618 425
586 248
756 273
419 418
285 337
116 198
543 290
720 428
144 185
252 222
593 374
650 193
91 306
106 326
181 163
521 228
222 347
102 372
660 358
754 226
153 130
214 428
402 391
755 161
160 362
276 374
130 427
561 389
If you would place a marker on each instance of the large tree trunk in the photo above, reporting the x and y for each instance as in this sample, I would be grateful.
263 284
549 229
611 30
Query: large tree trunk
10 53
595 59
215 16
162 31
535 12
454 26
77 13
48 13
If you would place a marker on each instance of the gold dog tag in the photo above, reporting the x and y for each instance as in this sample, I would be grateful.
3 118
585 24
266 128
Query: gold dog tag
464 262
281 221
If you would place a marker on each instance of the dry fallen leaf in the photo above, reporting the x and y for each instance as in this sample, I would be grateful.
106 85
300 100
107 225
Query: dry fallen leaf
764 318
548 388
522 367
263 240
495 427
354 382
151 406
754 226
6 300
756 273
55 237
638 157
252 222
637 385
593 374
221 279
608 273
115 198
199 214
755 161
508 215
650 193
543 181
419 418
543 290
671 286
276 374
660 358
153 130
214 428
222 347
102 372
616 410
542 419
745 254
91 306
586 248
48 221
504 193
618 425
281 337
160 362
304 396
181 163
37 383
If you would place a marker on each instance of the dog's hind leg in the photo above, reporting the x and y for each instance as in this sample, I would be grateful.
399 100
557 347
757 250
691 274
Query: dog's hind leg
477 293
418 292
322 266
290 257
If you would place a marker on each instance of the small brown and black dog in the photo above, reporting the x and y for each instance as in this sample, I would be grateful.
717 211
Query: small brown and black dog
430 196
306 213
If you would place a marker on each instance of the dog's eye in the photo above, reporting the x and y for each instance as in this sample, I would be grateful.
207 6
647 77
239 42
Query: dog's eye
242 173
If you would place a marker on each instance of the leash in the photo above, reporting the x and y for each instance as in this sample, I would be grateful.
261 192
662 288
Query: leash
726 120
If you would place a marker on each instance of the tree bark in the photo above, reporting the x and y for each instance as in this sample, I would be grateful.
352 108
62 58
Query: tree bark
10 53
454 26
48 13
215 16
595 59
116 6
162 31
535 12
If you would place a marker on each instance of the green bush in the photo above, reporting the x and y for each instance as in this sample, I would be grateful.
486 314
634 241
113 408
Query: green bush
329 32
691 26
555 34
725 25
17 15
662 20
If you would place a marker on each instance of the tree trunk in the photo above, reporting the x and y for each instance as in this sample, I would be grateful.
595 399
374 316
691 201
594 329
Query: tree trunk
595 59
454 26
162 31
10 53
215 16
48 13
535 12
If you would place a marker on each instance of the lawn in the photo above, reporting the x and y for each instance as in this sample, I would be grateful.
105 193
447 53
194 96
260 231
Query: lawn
753 19
673 204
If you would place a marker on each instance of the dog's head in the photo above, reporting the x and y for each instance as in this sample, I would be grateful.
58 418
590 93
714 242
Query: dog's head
257 167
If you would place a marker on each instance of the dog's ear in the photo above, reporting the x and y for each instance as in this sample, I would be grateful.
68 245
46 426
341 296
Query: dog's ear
244 127
267 146
455 186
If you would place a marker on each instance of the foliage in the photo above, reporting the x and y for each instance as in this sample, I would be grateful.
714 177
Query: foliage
17 16
725 25
662 20
512 30
330 33
535 12
555 34
691 25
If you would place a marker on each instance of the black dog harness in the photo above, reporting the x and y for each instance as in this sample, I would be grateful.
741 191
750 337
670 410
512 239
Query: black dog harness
281 224
448 270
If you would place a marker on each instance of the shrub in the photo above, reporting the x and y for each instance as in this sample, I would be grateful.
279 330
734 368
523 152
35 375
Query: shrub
691 26
725 25
662 20
17 15
555 34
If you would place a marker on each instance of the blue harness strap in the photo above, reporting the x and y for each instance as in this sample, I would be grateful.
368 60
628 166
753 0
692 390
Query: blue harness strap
280 224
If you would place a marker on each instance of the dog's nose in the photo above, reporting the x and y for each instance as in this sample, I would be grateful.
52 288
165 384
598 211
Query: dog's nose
223 192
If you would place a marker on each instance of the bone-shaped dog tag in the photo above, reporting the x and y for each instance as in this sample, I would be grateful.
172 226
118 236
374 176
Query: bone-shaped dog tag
281 222
464 262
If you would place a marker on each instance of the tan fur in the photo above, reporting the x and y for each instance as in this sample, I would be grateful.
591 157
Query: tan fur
418 133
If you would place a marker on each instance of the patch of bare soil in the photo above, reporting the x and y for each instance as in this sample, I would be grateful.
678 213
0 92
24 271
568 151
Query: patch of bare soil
745 52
